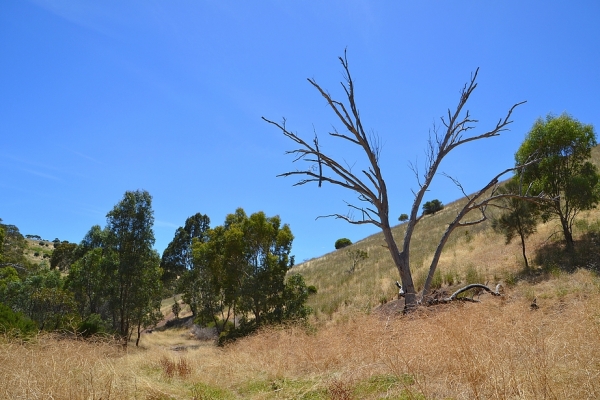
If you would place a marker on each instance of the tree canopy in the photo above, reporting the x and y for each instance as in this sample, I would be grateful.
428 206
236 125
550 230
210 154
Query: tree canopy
562 145
135 270
341 243
239 273
431 207
177 257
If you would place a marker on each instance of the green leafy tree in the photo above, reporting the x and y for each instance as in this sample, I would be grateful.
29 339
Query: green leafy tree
63 256
403 217
240 270
519 219
88 281
267 247
563 146
135 268
341 243
218 272
177 257
433 206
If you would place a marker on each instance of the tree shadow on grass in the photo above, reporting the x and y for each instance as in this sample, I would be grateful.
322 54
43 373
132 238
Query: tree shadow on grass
586 255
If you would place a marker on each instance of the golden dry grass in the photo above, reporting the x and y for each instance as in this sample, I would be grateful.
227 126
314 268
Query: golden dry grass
497 349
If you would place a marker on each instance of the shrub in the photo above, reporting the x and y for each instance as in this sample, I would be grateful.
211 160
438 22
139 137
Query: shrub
15 324
433 206
472 275
92 325
403 217
341 243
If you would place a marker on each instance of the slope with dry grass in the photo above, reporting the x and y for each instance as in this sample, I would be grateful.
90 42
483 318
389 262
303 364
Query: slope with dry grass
499 348
496 349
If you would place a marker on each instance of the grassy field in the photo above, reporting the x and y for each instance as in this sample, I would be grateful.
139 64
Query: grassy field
498 348
357 347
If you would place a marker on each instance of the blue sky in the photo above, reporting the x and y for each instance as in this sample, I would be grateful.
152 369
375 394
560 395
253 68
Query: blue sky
98 98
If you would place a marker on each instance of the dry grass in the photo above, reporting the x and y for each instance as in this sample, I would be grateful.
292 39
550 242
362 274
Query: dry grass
496 349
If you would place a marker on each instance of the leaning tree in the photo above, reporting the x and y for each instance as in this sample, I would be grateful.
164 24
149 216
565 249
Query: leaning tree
370 186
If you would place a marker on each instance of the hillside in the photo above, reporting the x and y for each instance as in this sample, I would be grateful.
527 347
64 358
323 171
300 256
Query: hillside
501 348
475 253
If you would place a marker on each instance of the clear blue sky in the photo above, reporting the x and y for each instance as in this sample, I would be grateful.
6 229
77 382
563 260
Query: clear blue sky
101 97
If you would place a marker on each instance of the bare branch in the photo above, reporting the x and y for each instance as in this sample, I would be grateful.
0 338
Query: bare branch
455 297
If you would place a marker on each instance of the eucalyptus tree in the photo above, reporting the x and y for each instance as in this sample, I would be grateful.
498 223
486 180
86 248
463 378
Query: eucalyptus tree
564 172
368 182
240 271
134 273
177 257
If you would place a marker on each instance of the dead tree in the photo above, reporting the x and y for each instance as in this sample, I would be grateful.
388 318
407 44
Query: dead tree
369 184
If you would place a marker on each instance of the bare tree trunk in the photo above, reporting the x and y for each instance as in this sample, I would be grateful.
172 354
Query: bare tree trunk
369 185
523 248
139 333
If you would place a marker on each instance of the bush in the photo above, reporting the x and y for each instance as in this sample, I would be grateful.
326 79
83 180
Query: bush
15 324
403 217
433 206
341 243
92 325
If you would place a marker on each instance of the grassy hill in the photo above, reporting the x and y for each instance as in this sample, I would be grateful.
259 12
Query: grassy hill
475 253
500 348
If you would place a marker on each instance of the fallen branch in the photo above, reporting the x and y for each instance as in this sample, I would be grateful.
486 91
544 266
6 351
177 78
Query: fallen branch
455 297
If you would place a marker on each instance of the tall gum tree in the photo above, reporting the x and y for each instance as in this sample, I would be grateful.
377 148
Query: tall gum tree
135 273
370 186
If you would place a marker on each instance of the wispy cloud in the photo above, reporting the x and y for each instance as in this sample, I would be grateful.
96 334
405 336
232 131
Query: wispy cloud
41 174
165 224
85 156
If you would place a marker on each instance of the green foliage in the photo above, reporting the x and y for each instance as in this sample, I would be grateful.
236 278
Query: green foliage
431 207
563 146
15 324
42 297
63 256
134 267
403 217
13 247
341 243
177 257
240 268
92 325
88 280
